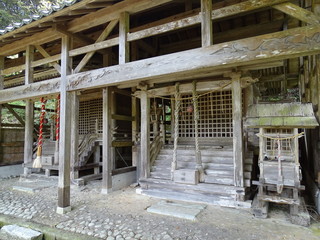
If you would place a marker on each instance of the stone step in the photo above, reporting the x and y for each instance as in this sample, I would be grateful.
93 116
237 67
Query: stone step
191 158
226 201
215 152
206 166
217 189
22 233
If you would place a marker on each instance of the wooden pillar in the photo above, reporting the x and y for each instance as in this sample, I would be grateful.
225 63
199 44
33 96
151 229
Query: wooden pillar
74 133
65 130
237 130
29 112
145 135
206 23
106 144
134 126
1 87
123 33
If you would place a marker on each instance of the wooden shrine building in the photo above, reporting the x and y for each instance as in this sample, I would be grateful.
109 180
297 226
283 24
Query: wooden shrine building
156 91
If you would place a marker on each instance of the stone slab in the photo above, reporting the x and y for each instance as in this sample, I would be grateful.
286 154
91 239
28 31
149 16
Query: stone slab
22 233
180 210
11 171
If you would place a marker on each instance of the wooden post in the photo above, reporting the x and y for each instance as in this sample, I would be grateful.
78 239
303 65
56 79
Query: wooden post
106 144
237 130
1 87
65 131
74 133
145 135
123 42
177 104
134 126
29 112
206 23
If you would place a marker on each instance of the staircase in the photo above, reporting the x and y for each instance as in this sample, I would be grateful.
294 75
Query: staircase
218 187
87 148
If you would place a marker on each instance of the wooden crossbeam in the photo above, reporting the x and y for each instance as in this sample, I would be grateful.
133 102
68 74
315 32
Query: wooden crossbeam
219 57
102 37
14 113
45 54
298 13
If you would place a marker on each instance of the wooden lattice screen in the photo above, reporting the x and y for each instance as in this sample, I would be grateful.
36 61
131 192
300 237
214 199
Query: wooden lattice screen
215 116
286 145
89 113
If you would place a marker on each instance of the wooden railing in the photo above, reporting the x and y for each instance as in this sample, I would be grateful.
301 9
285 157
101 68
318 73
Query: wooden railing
155 147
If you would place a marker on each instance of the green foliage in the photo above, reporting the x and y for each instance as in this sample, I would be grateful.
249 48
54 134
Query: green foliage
15 10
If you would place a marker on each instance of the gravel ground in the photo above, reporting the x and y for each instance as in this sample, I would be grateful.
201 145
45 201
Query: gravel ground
122 215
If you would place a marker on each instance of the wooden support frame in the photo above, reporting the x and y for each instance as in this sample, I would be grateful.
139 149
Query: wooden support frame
101 38
45 54
237 129
65 131
206 23
29 112
145 136
298 13
124 51
106 143
74 134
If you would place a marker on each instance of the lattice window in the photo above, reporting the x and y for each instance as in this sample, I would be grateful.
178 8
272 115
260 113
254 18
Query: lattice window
90 114
286 144
215 116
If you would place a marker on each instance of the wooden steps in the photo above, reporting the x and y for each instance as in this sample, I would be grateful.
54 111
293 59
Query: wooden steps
222 195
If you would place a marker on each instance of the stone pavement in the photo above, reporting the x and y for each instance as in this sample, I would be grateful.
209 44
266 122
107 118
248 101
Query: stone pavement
123 215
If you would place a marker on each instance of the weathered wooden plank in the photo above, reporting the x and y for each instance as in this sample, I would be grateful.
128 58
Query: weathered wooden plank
123 41
206 23
269 47
65 131
122 117
237 130
266 48
145 136
122 144
106 145
298 12
111 13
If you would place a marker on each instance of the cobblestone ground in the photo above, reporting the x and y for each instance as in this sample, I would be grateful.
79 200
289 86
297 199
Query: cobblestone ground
123 215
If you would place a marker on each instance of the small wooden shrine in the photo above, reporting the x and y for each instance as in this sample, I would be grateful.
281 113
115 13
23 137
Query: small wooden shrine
280 172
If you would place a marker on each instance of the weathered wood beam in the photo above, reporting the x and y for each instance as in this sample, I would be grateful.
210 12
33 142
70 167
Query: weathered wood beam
106 143
2 59
206 23
124 24
237 130
144 166
29 112
65 130
265 48
15 114
45 54
298 13
251 51
111 13
102 37
74 153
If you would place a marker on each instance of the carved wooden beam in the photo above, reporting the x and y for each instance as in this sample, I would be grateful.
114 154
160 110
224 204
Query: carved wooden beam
250 51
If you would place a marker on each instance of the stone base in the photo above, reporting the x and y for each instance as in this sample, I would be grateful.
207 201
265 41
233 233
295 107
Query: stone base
23 233
106 190
65 210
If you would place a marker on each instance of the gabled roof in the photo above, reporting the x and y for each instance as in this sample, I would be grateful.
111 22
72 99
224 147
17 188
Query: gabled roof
41 14
58 14
281 115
